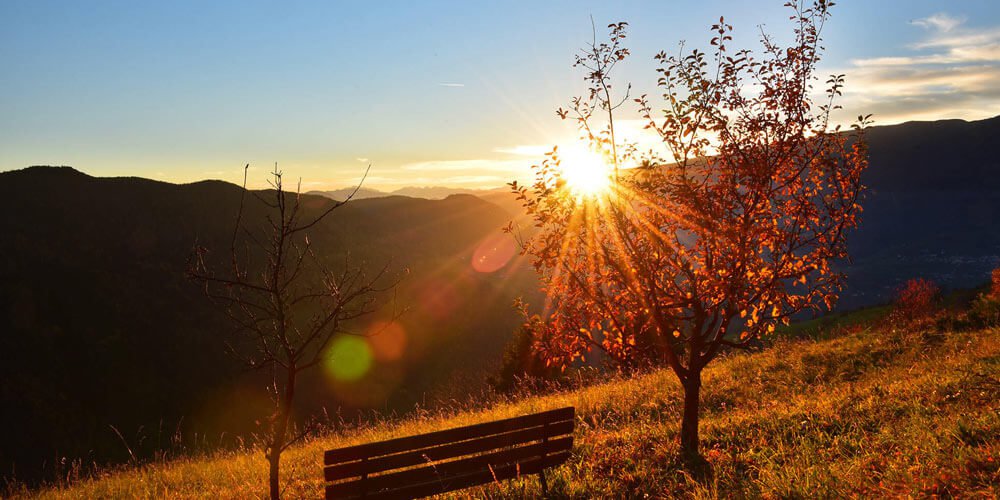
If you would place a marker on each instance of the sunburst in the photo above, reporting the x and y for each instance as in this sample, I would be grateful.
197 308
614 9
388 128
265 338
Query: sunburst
586 173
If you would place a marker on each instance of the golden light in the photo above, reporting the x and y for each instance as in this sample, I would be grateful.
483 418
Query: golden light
585 172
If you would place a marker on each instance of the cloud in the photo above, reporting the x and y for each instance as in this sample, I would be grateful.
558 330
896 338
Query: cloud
478 180
362 160
477 165
535 150
451 84
939 22
950 73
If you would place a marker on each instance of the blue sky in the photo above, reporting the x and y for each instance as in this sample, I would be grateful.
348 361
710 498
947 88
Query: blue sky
444 93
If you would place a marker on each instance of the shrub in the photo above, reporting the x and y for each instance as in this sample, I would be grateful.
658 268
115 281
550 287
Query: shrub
916 300
523 367
985 310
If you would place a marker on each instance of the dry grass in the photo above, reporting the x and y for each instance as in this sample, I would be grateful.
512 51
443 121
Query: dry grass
869 413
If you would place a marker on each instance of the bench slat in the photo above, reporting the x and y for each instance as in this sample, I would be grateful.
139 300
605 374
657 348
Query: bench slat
384 463
442 474
459 481
409 443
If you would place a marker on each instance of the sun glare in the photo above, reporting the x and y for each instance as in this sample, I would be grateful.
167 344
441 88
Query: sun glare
585 172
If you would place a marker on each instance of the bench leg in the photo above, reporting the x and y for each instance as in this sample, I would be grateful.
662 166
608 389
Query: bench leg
545 486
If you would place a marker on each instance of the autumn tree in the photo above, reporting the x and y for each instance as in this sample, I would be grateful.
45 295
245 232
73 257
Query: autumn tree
284 299
726 229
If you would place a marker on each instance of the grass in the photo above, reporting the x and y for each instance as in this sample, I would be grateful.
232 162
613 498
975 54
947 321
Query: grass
869 412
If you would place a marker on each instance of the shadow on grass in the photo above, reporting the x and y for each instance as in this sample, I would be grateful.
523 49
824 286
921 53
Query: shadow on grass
697 467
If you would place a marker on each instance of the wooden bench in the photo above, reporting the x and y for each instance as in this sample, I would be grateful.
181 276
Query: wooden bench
448 460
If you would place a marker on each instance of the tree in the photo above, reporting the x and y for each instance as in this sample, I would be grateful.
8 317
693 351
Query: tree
708 242
522 365
284 299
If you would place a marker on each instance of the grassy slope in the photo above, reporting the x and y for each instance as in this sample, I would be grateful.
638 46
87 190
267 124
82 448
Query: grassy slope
869 412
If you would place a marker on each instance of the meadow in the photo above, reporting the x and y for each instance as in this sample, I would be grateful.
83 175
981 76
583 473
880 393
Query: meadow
859 406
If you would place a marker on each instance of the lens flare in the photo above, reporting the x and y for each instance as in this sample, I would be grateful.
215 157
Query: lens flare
349 358
493 253
387 340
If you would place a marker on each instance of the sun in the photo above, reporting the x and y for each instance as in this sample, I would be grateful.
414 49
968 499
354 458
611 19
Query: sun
585 172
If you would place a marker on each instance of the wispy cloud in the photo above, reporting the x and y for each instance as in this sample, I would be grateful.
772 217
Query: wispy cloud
951 72
476 165
448 84
478 180
525 150
939 22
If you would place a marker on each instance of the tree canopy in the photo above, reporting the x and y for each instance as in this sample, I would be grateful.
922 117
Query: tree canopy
728 229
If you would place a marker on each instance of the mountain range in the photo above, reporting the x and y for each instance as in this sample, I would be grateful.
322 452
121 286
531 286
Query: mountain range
426 192
101 328
105 340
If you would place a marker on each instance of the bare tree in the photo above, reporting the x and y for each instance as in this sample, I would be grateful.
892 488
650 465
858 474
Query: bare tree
290 305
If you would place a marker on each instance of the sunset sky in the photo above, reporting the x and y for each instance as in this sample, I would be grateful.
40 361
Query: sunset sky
429 93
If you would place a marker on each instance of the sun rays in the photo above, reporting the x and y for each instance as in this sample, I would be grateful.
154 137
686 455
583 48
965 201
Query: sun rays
586 173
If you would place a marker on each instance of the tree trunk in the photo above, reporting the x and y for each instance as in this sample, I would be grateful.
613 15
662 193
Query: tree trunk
689 422
273 459
278 431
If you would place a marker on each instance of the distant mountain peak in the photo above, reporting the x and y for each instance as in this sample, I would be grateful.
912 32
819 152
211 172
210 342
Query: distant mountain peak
47 170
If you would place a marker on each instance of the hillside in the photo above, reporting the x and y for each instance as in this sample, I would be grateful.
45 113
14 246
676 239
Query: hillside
100 328
857 410
932 210
942 155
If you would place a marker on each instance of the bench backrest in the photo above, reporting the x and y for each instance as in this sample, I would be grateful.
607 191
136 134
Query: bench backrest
451 459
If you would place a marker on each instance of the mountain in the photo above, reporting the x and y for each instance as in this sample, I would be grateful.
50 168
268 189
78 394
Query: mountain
426 192
342 194
932 210
100 328
436 192
944 155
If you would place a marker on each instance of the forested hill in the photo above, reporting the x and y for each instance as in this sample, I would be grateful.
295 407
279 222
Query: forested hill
932 210
944 155
100 327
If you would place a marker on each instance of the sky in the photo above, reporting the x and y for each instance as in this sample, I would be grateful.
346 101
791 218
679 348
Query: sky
446 93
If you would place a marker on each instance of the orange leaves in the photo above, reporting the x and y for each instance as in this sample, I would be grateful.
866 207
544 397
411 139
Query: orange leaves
916 299
726 231
829 300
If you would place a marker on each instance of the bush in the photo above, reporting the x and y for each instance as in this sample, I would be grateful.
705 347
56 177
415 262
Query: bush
522 366
985 310
916 300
